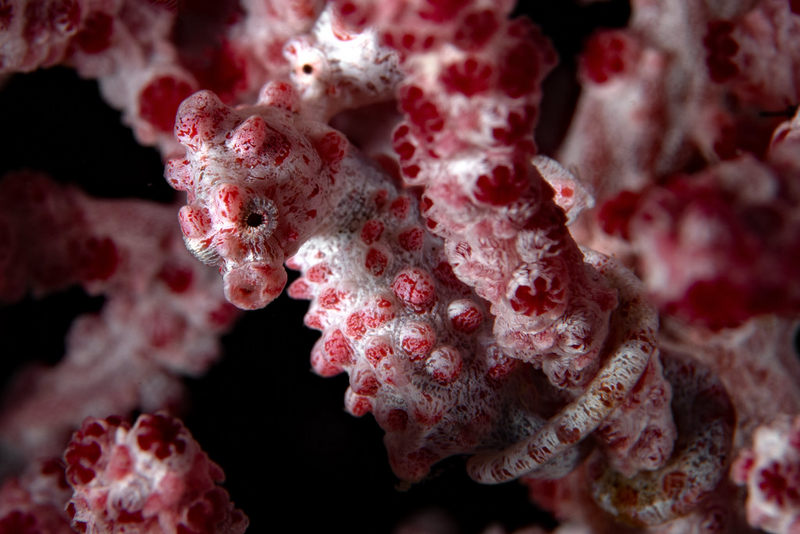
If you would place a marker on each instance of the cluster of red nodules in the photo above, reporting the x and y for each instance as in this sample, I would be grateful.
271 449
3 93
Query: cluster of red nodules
150 56
162 316
770 469
737 267
149 477
34 501
705 201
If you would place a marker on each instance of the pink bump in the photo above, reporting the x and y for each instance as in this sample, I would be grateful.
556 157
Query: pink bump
417 339
415 288
465 316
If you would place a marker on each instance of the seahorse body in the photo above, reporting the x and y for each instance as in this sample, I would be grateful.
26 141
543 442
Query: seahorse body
267 186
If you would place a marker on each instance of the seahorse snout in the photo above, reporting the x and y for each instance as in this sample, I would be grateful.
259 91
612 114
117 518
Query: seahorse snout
252 286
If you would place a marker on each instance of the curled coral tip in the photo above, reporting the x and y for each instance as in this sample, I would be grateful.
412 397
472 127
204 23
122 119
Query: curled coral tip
252 286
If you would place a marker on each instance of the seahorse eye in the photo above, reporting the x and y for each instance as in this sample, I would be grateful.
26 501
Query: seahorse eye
254 220
259 219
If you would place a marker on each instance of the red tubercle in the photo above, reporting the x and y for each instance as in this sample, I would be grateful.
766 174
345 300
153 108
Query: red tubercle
248 137
331 148
405 150
520 70
499 364
205 515
519 125
364 382
411 239
441 11
503 186
229 202
337 348
396 420
164 329
380 199
607 54
318 273
357 405
178 174
779 484
716 303
427 413
300 290
6 14
411 171
417 339
444 365
421 112
159 101
377 348
415 288
372 231
177 278
162 433
376 261
94 429
408 42
331 298
80 458
354 326
95 36
276 146
321 365
98 259
469 77
476 30
615 214
541 298
377 311
199 119
425 204
400 132
721 47
354 14
465 316
400 207
280 95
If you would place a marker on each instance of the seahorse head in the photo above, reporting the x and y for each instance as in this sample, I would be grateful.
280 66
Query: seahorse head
260 182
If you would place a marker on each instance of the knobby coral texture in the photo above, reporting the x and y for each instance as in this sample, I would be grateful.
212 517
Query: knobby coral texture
557 245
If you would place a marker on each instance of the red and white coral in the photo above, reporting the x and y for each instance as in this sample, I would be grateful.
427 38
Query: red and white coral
162 317
35 501
151 477
270 182
770 470
446 282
